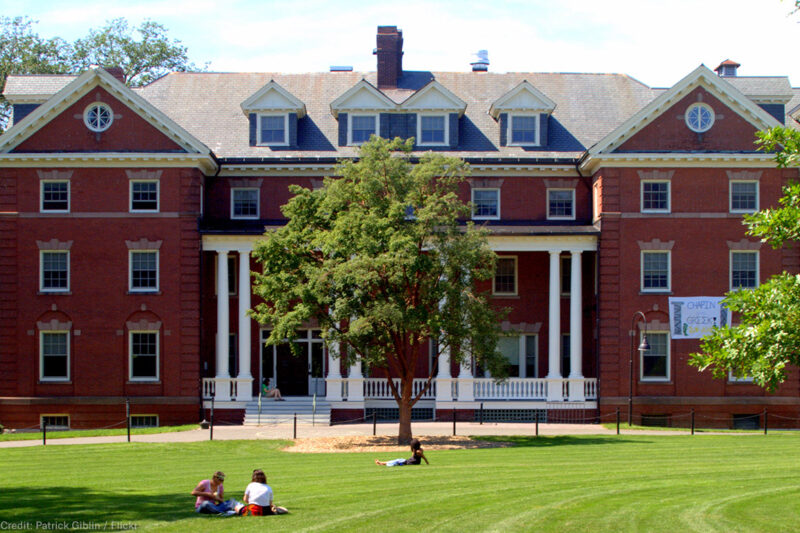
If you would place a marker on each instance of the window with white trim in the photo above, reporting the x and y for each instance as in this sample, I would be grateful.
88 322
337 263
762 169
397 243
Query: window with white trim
521 354
743 196
699 117
144 196
143 349
273 130
505 276
432 130
523 130
744 269
655 196
54 270
98 117
561 204
143 275
485 204
361 127
655 271
54 196
144 421
655 361
54 355
54 421
244 203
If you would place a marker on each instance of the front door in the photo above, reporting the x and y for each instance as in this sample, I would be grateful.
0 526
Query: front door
295 375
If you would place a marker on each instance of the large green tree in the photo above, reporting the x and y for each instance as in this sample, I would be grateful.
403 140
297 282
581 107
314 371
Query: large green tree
380 258
144 53
767 339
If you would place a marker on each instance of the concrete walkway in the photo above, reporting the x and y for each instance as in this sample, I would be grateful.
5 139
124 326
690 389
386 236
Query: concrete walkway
285 431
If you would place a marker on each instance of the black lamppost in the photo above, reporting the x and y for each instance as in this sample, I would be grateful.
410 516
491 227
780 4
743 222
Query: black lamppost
643 347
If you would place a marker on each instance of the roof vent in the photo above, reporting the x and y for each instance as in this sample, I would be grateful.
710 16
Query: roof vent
727 68
481 64
341 68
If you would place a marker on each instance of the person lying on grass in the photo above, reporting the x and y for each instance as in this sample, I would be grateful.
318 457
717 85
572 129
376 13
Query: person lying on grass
417 455
209 493
258 497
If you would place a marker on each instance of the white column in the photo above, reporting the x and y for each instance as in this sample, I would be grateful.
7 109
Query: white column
333 381
355 387
465 388
223 325
576 330
244 389
554 331
444 388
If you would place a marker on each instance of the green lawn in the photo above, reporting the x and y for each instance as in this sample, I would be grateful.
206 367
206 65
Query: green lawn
60 434
665 483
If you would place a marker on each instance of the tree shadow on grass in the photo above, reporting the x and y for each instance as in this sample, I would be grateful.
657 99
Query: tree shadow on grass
71 504
530 441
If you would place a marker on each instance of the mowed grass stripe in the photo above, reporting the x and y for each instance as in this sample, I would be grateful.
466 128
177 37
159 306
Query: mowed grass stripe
609 483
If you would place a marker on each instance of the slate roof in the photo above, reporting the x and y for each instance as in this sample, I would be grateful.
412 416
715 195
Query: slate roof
762 86
21 86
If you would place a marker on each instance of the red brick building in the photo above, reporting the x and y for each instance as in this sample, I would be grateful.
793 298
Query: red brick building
125 213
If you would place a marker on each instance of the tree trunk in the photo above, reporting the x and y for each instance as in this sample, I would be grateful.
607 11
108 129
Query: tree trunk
404 407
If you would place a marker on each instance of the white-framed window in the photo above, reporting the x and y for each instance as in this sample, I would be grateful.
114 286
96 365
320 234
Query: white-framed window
98 117
54 270
144 196
360 127
523 130
743 196
699 117
59 421
273 130
744 269
244 202
54 196
656 196
143 272
54 355
655 271
144 421
433 130
732 378
655 361
144 352
521 353
561 204
485 204
504 282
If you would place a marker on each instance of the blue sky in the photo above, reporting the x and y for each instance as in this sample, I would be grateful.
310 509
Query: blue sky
655 41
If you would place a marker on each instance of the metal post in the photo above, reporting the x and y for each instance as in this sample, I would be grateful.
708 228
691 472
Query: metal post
44 432
537 425
294 433
314 409
128 416
765 421
617 420
481 413
211 426
692 420
259 407
454 422
374 423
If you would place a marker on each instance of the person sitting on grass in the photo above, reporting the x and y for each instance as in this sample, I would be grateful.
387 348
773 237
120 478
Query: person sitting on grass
269 390
209 493
416 458
258 497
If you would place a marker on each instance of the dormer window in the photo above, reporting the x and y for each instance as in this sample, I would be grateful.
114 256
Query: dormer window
432 130
361 127
273 130
523 130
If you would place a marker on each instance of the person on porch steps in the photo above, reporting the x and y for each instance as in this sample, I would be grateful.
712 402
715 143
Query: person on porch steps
269 390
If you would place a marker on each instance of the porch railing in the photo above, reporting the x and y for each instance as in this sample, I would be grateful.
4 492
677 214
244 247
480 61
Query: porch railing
378 388
227 388
529 388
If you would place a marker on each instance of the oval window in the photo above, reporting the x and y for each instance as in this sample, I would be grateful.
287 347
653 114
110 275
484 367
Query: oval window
98 117
699 117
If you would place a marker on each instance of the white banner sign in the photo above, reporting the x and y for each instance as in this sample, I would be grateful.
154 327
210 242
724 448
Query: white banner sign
693 317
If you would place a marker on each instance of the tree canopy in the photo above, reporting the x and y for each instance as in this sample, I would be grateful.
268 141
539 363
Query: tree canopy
144 53
767 338
381 259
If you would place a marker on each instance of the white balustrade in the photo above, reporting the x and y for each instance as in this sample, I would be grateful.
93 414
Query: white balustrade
527 389
216 387
378 388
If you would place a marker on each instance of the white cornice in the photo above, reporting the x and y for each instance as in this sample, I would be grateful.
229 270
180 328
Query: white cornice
203 162
655 160
322 169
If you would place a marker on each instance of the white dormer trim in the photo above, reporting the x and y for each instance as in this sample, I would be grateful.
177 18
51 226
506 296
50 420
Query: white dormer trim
365 97
700 77
434 97
273 99
350 117
510 130
446 141
285 141
524 98
82 85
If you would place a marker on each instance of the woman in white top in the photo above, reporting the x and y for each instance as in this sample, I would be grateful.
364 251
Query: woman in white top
258 497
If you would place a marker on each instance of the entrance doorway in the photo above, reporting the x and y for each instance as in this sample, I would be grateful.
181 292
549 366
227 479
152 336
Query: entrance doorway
295 375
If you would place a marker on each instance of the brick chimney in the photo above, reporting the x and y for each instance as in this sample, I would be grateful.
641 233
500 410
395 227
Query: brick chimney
390 56
117 72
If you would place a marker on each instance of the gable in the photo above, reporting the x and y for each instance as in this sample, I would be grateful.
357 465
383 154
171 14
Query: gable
523 97
129 132
434 97
668 132
272 98
362 97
